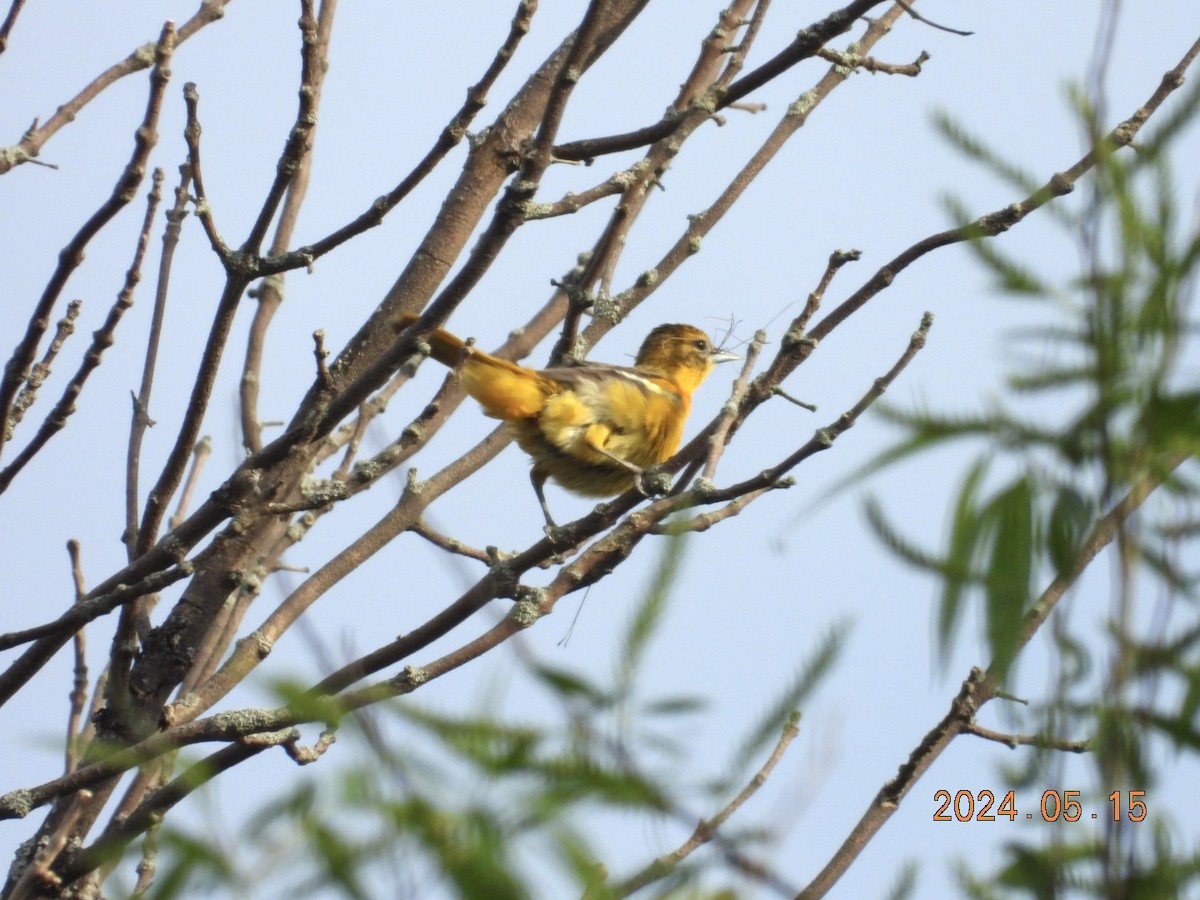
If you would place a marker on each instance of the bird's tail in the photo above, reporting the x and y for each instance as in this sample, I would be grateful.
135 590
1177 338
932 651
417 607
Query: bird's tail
504 389
443 346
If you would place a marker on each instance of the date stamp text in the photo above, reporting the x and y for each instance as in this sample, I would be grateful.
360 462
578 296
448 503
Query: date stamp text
981 806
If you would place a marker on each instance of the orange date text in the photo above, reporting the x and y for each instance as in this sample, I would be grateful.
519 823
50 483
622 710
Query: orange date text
1054 806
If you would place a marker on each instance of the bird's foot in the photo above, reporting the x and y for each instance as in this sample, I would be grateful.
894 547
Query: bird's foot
651 484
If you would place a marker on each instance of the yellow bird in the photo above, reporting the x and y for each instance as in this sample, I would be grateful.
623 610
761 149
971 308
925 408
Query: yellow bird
593 428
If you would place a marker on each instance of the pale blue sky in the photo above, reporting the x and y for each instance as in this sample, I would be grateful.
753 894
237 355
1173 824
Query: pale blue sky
868 172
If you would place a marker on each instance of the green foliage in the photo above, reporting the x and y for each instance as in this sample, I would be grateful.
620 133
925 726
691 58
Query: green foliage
199 866
1102 405
454 804
905 885
791 698
649 612
1164 872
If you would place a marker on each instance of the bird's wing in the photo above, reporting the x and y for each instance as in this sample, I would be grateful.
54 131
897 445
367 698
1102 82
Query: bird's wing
629 414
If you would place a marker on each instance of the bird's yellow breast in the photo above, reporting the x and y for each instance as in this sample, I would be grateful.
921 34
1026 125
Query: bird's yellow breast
637 418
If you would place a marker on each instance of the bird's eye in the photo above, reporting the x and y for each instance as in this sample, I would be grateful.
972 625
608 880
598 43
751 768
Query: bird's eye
700 344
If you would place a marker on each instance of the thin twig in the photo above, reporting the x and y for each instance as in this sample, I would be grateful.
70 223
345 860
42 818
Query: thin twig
17 368
148 865
141 419
872 65
707 829
574 201
837 259
715 49
720 434
790 123
825 437
450 137
321 355
296 146
540 155
142 58
356 431
191 135
270 292
449 544
706 520
920 18
803 404
808 41
10 20
41 370
93 606
1012 741
102 339
199 457
79 689
738 53
303 756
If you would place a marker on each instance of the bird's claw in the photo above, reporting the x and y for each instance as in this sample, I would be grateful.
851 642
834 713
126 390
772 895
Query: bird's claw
639 483
651 484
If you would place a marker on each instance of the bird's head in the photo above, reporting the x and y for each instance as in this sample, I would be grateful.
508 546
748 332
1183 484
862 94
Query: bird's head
680 353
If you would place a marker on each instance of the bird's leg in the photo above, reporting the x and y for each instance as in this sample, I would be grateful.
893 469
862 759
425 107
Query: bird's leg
636 471
538 479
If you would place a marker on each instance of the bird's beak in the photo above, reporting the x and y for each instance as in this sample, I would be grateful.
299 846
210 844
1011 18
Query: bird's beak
720 356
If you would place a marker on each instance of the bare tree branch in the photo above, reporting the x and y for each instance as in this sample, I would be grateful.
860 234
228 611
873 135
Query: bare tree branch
10 20
102 339
141 402
17 368
1012 741
143 57
806 44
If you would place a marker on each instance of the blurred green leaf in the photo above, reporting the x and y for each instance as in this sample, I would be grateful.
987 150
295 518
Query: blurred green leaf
1070 517
571 685
649 612
1009 521
193 864
675 706
966 523
905 885
812 672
